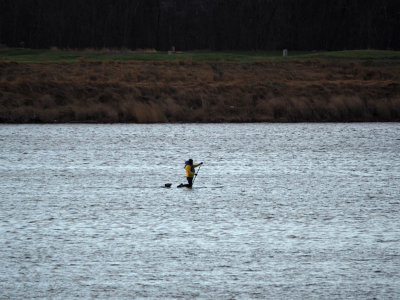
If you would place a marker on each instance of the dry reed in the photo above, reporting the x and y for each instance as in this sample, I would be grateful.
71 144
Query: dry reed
188 91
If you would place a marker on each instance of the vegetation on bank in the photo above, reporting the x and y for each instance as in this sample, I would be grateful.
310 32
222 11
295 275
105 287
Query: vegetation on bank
122 86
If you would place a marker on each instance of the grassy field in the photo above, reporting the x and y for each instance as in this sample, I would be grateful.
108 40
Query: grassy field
45 55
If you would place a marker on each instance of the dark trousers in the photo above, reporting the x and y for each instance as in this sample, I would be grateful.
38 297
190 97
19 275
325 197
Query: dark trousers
190 181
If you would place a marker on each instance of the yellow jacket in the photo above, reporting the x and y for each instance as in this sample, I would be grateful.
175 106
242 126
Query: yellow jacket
189 171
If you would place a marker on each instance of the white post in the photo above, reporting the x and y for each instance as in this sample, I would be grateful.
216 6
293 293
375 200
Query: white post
285 52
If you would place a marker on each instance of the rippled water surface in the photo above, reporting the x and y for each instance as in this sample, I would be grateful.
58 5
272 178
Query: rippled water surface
305 211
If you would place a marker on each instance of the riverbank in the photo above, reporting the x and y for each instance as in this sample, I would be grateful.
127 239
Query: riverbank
296 90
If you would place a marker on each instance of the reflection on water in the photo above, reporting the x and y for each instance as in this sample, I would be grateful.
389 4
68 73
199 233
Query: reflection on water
306 210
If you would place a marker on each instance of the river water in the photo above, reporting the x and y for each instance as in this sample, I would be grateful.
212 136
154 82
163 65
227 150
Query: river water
278 211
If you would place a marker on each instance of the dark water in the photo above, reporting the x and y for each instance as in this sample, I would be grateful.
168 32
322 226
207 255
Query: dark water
305 211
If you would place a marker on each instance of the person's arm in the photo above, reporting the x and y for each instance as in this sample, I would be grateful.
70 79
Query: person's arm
195 166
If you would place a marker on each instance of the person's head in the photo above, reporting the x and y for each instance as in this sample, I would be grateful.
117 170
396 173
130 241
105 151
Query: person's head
191 161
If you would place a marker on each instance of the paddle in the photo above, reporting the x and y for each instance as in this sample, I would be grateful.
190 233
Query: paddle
195 175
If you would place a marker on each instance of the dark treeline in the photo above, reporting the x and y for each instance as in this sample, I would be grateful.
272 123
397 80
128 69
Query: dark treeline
201 24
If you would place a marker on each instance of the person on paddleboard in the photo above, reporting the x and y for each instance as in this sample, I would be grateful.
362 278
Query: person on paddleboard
190 172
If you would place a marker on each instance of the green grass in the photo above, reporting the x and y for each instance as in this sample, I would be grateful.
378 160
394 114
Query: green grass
32 55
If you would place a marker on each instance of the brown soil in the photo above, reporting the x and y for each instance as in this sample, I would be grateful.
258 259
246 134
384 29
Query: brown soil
186 91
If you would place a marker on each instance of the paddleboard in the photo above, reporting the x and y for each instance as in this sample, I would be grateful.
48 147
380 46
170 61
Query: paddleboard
209 187
202 187
168 185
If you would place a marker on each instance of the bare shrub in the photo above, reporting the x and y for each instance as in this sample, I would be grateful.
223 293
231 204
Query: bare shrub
355 107
301 109
148 113
66 114
265 108
47 115
173 111
96 113
383 111
279 108
395 109
46 101
338 108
